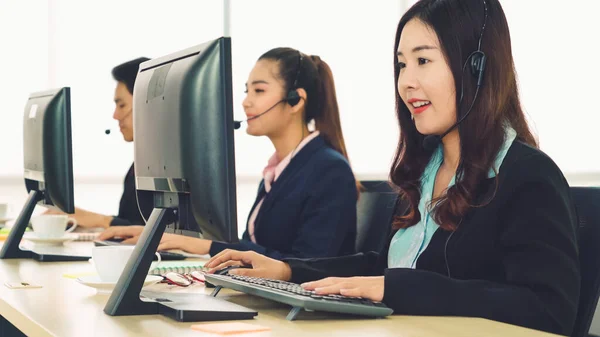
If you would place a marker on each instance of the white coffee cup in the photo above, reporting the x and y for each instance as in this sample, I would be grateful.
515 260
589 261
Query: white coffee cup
110 261
3 211
52 226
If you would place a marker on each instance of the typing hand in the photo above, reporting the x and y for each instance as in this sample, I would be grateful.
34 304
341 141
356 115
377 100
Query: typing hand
85 219
366 287
185 243
131 234
262 266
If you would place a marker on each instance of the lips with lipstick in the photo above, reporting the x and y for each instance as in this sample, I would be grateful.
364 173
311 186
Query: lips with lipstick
418 105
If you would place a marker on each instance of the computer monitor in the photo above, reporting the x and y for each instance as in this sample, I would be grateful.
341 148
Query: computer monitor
183 136
47 165
184 161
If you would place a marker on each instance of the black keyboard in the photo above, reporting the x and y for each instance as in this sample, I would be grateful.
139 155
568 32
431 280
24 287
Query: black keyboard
294 295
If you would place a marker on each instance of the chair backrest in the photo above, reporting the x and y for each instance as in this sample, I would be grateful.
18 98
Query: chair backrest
374 212
587 203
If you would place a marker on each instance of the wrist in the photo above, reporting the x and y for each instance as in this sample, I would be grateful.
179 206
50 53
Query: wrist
287 272
208 246
197 246
105 221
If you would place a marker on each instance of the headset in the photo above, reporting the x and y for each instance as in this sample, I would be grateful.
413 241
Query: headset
477 61
292 96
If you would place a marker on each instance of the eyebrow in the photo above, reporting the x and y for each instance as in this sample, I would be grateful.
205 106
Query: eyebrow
258 82
419 48
117 100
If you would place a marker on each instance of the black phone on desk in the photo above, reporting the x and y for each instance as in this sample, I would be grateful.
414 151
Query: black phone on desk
164 255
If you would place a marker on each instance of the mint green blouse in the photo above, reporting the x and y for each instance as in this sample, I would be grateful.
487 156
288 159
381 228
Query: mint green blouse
408 243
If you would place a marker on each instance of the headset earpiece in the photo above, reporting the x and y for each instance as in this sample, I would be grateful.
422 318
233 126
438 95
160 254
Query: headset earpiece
478 57
293 97
478 66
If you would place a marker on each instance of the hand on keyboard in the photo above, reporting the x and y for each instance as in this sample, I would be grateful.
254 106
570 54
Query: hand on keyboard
187 244
299 297
262 266
365 287
129 234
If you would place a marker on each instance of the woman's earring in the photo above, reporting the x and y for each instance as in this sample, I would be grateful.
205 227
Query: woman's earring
412 117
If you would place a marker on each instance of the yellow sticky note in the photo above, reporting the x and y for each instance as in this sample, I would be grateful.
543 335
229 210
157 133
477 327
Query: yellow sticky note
229 328
78 275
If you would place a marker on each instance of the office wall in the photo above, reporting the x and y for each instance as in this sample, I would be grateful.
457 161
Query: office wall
25 63
357 44
50 43
75 43
555 50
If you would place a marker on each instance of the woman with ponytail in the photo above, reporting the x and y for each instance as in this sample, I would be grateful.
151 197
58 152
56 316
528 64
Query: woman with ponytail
306 202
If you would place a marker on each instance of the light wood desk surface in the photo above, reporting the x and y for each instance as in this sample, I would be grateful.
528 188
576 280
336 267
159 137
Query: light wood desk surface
63 307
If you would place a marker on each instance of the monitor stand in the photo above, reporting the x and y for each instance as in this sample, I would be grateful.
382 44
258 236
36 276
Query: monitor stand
11 249
125 298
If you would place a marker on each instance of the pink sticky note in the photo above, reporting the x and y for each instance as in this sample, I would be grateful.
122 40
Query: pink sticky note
229 328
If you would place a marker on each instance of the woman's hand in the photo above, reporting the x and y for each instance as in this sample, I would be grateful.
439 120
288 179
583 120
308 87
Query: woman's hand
185 243
262 266
50 211
131 234
85 219
366 287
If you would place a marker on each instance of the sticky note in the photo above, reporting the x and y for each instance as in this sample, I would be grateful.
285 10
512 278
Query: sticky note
77 275
229 328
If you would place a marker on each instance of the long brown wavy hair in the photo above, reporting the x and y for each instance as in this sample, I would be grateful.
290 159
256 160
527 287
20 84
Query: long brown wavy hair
458 25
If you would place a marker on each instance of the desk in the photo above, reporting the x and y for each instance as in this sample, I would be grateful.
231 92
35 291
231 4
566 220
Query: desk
63 307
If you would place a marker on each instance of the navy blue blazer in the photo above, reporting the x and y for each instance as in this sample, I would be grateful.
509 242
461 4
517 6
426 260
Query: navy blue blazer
310 210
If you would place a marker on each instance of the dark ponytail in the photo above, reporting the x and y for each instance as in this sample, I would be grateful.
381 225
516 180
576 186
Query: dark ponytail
327 120
314 76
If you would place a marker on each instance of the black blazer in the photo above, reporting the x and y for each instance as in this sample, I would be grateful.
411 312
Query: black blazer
310 210
129 213
513 260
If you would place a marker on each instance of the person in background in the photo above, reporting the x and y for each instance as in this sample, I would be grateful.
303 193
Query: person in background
306 202
129 213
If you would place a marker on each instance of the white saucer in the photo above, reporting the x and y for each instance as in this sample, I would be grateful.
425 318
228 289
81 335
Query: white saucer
30 236
94 281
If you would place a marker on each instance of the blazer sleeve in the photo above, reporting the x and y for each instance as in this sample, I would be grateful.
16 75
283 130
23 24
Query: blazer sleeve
328 218
537 245
116 221
361 264
129 212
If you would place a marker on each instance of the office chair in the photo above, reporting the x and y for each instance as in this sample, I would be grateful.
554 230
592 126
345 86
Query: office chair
587 203
375 209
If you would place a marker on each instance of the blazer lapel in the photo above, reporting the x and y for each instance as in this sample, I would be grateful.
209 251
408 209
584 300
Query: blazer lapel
296 164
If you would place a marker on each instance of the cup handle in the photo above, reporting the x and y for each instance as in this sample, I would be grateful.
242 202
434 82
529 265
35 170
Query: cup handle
74 225
159 260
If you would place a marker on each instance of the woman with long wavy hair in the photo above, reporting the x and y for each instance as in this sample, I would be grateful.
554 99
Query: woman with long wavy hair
490 229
